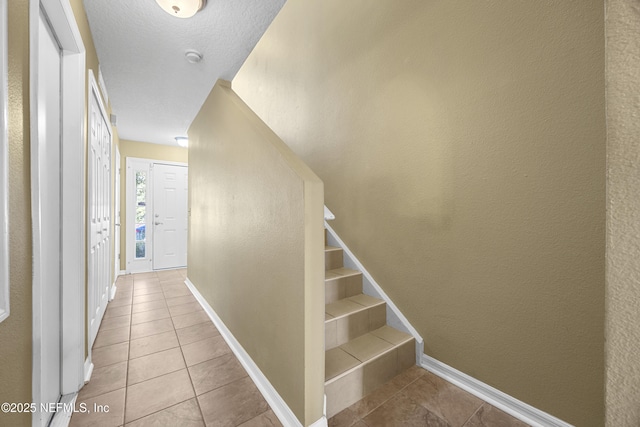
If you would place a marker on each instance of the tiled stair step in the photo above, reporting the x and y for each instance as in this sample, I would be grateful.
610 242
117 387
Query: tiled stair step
348 318
360 366
332 257
341 283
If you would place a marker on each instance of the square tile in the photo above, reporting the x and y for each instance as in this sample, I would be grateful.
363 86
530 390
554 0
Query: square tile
204 350
115 322
232 404
380 370
343 392
104 380
447 401
337 361
110 354
488 415
190 319
185 414
112 418
151 328
366 300
167 390
330 335
191 307
153 344
342 307
352 326
149 297
112 336
214 373
120 301
197 332
391 335
176 291
148 316
365 347
117 311
147 306
401 411
147 290
181 300
154 365
266 419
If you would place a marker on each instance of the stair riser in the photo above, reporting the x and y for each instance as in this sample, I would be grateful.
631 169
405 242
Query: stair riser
333 259
342 330
341 288
348 389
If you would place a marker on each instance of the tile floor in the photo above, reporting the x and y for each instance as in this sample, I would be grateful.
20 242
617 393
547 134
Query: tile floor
419 398
159 361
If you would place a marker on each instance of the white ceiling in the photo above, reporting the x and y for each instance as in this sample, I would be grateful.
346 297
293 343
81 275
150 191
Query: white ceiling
154 92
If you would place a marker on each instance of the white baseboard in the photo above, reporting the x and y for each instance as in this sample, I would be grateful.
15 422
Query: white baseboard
88 370
495 397
394 316
112 291
62 418
273 398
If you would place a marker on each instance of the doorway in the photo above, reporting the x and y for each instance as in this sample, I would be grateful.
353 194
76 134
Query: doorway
156 215
57 203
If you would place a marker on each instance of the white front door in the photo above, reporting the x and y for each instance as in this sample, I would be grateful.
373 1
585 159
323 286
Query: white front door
169 216
49 272
99 211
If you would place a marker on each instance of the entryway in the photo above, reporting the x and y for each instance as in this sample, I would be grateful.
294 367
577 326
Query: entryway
156 215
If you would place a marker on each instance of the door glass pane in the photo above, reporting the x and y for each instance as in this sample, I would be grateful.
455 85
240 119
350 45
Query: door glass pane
141 214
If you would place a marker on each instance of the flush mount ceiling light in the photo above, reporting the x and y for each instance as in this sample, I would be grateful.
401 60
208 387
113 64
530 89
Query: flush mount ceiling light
181 8
182 141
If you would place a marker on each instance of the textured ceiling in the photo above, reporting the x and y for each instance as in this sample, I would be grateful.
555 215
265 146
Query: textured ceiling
154 92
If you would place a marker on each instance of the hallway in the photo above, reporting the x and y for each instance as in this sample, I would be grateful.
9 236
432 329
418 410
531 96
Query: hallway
158 360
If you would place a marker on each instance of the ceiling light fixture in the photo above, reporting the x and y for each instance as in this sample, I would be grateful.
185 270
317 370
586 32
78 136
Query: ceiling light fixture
181 8
182 141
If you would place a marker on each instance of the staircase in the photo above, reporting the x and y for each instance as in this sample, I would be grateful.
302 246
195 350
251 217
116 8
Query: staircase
362 352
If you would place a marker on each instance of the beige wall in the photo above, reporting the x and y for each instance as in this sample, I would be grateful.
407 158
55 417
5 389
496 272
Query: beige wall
255 246
15 331
623 219
143 150
462 147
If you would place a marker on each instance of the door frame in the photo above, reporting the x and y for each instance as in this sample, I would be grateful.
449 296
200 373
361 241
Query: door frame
63 24
117 210
130 211
93 90
4 166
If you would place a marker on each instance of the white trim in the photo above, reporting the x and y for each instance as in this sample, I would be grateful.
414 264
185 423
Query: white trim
328 215
277 404
141 265
502 401
62 418
122 273
112 291
87 369
4 168
394 316
62 22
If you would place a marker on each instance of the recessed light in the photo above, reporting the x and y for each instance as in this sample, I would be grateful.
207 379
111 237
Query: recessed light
182 141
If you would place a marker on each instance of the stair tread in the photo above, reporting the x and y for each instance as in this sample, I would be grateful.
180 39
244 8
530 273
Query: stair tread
332 248
340 272
354 304
343 358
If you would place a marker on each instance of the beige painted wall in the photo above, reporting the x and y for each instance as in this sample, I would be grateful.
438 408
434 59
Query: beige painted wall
143 150
462 147
15 331
255 246
623 219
